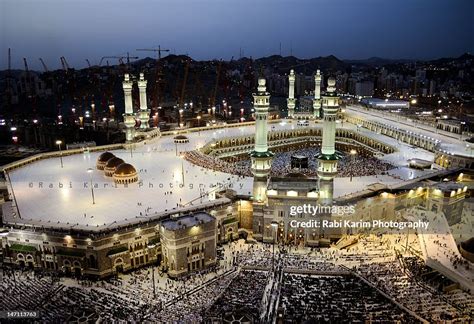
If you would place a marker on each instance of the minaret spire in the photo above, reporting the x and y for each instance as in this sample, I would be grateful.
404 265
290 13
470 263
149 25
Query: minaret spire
317 95
291 101
261 156
129 117
327 159
144 113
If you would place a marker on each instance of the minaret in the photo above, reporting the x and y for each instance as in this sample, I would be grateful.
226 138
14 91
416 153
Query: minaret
291 94
144 113
317 95
128 117
327 159
261 156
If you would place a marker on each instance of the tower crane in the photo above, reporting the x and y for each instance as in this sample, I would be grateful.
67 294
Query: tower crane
30 86
218 73
157 50
198 90
158 79
185 80
119 57
44 65
27 77
64 63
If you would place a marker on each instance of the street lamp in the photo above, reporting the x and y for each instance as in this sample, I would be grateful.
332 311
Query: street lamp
352 153
90 170
181 117
199 124
274 226
58 143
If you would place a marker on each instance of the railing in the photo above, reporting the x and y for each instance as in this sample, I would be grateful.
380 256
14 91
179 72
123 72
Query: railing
207 283
41 156
383 293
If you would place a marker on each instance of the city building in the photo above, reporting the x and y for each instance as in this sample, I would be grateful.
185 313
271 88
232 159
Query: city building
188 243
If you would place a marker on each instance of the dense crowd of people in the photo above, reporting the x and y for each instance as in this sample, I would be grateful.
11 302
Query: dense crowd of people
216 164
335 299
244 294
391 278
348 166
253 280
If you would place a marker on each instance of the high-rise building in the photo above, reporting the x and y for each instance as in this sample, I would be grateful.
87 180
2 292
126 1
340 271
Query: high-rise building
364 89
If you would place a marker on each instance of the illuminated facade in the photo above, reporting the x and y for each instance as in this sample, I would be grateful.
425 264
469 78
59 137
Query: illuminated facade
188 243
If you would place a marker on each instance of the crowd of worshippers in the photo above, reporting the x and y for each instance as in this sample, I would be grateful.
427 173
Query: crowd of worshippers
391 278
216 164
335 299
54 302
348 165
245 293
241 286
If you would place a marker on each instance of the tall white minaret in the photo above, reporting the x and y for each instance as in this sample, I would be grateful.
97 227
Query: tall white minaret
291 101
261 156
128 117
144 113
317 95
327 159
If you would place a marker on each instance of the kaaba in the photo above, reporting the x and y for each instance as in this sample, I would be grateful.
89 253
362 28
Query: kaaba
299 162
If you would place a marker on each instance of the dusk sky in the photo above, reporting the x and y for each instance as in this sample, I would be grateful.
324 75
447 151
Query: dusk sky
208 29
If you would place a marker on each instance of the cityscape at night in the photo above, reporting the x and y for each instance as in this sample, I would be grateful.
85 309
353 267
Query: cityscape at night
206 161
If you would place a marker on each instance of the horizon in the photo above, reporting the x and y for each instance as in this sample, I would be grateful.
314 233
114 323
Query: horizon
211 29
39 69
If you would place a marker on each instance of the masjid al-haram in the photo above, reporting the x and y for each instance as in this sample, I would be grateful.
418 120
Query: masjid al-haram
342 214
237 162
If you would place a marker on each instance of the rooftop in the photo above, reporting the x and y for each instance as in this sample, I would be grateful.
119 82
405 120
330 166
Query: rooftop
187 221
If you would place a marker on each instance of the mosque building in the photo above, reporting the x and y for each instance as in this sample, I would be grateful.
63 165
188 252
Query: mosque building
182 231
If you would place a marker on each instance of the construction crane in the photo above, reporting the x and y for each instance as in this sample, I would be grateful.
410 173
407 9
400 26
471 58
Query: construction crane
119 57
44 65
30 87
88 63
198 90
218 73
185 80
27 77
158 50
226 82
64 63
